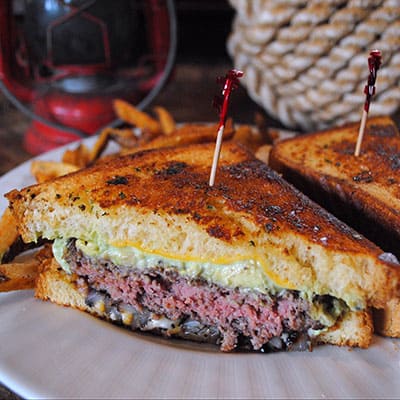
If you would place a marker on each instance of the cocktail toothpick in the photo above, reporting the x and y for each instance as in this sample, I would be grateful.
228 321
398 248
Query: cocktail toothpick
230 82
374 62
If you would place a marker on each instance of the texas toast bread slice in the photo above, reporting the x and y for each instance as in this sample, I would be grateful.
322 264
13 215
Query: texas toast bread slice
362 191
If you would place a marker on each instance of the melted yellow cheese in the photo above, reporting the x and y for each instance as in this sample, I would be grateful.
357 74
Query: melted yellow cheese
220 262
248 273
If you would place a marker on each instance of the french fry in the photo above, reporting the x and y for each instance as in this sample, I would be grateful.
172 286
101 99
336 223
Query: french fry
79 157
187 134
46 170
21 275
130 114
18 276
124 137
100 145
166 120
262 152
201 133
8 232
248 136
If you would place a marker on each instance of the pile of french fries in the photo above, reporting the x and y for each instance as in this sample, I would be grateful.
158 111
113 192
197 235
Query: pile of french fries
140 131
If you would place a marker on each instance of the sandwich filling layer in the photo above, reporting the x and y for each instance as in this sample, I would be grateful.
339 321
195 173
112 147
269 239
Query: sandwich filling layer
156 294
247 272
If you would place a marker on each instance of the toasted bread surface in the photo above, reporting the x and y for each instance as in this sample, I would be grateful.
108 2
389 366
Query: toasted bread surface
53 284
368 185
355 329
387 320
160 201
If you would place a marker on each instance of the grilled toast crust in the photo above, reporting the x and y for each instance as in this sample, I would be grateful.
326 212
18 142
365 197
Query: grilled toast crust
363 191
387 320
161 201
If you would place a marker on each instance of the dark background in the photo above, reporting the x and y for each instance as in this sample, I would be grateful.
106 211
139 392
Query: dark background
203 29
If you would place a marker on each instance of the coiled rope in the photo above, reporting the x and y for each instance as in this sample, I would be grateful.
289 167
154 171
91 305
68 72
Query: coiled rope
305 62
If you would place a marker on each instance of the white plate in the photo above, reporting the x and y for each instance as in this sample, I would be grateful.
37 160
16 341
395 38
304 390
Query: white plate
47 351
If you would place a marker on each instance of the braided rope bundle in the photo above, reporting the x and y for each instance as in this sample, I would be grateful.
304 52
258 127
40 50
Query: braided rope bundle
305 62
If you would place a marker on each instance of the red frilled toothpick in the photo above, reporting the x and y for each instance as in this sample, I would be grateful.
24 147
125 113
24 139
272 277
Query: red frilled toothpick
374 62
230 82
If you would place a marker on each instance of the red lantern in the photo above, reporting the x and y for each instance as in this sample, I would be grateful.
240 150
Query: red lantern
63 61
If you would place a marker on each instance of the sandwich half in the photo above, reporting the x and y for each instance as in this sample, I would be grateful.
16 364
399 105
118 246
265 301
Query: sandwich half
362 191
145 242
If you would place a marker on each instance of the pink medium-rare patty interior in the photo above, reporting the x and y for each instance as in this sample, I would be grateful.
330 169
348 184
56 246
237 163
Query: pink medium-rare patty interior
236 313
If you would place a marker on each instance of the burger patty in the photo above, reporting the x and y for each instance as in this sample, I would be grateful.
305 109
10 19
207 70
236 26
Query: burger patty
159 299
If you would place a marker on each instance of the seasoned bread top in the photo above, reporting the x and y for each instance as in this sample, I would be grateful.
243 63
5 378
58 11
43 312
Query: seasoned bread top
160 200
371 179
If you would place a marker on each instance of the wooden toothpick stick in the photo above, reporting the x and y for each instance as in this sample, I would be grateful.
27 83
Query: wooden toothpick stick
374 62
230 81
